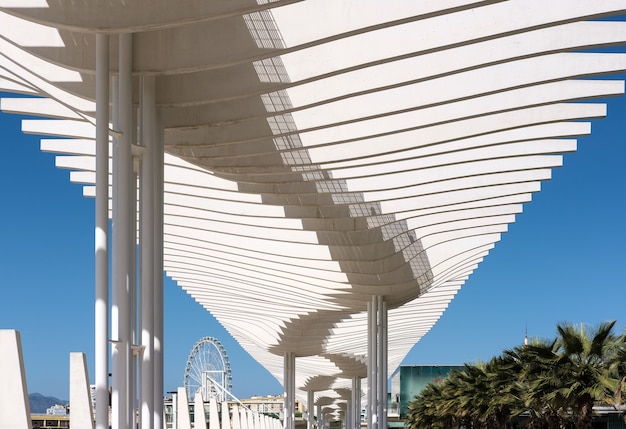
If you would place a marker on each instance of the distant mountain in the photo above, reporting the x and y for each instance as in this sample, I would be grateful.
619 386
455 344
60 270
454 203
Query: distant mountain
40 403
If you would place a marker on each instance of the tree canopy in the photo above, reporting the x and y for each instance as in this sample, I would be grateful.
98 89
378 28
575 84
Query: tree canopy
543 384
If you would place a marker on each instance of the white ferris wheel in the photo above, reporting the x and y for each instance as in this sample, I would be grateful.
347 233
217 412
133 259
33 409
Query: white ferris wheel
207 371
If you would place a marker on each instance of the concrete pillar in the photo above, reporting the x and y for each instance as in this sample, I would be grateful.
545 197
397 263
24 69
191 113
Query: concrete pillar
14 405
182 405
236 419
225 416
81 415
214 416
199 419
243 419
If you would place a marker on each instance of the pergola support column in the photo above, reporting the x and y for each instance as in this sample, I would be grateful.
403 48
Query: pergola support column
377 363
382 363
310 404
289 418
147 250
101 310
158 311
372 364
320 417
356 403
122 271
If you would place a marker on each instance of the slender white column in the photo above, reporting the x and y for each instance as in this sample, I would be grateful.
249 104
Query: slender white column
146 235
368 409
101 311
133 365
372 365
289 420
320 417
114 255
310 397
120 310
158 275
382 362
356 402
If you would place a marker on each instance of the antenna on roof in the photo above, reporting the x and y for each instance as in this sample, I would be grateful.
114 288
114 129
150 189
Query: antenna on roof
526 335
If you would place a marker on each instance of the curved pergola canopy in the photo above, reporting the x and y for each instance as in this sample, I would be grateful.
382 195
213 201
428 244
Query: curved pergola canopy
320 153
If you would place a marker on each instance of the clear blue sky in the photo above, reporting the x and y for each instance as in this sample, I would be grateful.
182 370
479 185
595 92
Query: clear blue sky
563 260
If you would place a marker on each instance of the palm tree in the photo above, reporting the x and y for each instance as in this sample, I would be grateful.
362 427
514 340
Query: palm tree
455 400
503 390
553 382
585 362
543 381
619 365
522 366
425 410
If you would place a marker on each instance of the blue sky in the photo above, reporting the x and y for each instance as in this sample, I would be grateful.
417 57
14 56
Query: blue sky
562 260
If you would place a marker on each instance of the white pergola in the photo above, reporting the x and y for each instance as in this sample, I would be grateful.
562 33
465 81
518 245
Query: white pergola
322 176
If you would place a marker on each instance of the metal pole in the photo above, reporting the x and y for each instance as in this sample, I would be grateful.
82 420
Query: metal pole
382 363
115 352
372 367
146 246
320 417
379 358
356 402
133 288
289 380
369 366
101 311
158 274
309 407
121 230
